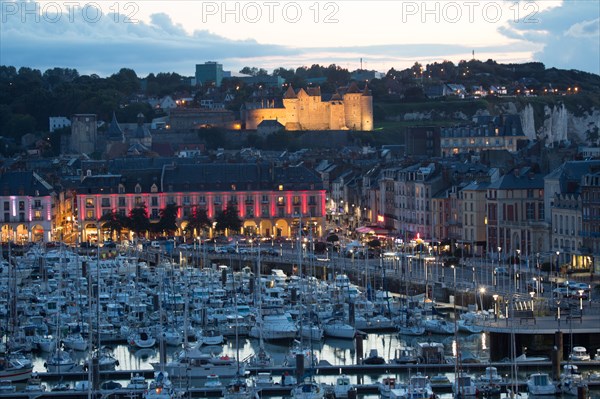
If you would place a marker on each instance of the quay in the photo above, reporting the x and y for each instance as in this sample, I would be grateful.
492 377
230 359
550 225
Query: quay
274 390
324 368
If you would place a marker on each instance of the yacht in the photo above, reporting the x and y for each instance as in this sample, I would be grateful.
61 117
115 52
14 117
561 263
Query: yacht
336 328
386 386
579 354
274 324
14 369
540 384
193 363
406 355
59 362
418 387
161 387
438 326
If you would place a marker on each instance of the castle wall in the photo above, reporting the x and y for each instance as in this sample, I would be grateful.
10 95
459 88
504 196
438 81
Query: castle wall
255 116
306 112
352 111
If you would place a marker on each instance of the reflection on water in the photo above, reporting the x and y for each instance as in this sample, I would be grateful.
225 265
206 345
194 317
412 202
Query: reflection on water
335 351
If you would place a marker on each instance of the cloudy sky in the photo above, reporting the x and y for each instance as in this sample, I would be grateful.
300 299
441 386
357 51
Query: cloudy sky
103 36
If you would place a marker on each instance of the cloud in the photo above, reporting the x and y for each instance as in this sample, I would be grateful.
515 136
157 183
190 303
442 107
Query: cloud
566 36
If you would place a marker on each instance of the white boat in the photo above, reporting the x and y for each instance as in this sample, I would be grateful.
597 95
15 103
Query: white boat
311 331
75 342
412 330
336 328
264 379
540 384
172 337
437 326
490 375
209 337
194 363
579 354
142 340
571 380
59 362
523 358
308 389
310 357
418 387
34 384
274 324
45 343
431 352
464 385
213 381
386 385
466 325
161 387
342 386
14 369
137 381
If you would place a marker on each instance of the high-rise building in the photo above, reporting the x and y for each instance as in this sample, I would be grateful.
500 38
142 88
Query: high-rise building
209 72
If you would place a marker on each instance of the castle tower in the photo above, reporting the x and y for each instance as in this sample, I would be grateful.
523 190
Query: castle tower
366 109
352 107
84 130
290 103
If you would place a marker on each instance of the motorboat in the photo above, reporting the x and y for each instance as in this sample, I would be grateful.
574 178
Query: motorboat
161 387
411 330
311 331
386 385
466 325
464 385
274 324
579 354
213 381
310 357
14 369
418 387
342 386
405 355
239 388
264 379
75 342
209 337
439 379
7 387
308 389
34 384
570 381
373 358
431 352
137 381
540 384
193 363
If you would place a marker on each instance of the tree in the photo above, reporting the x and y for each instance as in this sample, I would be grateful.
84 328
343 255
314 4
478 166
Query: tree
198 220
228 219
139 222
113 221
168 219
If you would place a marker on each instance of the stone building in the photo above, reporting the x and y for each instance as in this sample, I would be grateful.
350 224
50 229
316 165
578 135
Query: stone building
305 110
84 133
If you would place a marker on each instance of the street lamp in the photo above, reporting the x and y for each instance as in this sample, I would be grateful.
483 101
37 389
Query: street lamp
495 296
517 269
532 293
580 306
454 272
481 292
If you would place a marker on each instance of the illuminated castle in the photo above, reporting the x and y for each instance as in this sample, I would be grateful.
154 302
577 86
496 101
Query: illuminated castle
305 110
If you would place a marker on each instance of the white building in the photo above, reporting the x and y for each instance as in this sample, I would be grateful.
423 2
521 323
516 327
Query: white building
58 122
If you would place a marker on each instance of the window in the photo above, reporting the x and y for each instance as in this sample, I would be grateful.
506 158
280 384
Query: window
6 206
105 202
297 210
37 215
296 200
280 212
312 200
202 199
121 201
121 189
170 200
530 211
154 201
154 214
154 188
217 199
186 200
37 204
313 211
264 211
138 188
265 199
89 215
249 211
138 201
541 211
249 199
280 201
89 202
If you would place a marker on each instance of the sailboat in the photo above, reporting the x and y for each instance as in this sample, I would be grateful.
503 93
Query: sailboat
261 358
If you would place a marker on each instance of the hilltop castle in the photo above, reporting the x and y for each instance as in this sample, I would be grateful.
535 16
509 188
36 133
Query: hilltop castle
306 110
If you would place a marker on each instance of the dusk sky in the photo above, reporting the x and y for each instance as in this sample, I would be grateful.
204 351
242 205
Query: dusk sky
173 36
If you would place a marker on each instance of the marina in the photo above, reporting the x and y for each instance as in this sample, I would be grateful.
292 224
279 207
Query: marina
204 327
